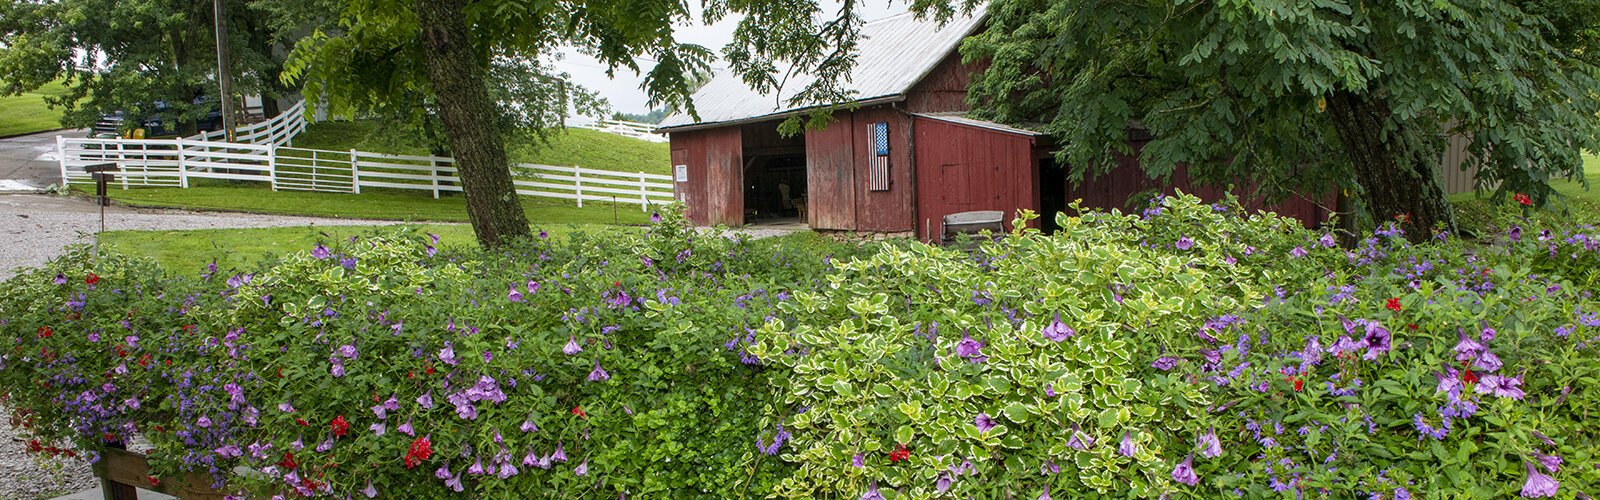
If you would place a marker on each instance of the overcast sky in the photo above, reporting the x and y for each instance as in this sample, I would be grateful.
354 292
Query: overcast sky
624 92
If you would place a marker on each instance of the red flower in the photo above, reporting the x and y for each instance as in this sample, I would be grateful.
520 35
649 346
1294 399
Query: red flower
92 279
1467 377
1524 199
153 481
578 410
421 449
1299 384
1403 218
288 461
45 332
899 454
34 446
1393 304
340 426
301 422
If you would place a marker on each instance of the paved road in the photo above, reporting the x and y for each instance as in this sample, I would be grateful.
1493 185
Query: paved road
29 161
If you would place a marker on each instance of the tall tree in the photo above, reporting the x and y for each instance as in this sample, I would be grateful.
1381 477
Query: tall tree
129 55
1309 95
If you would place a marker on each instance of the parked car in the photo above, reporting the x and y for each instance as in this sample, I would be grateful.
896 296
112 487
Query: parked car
115 124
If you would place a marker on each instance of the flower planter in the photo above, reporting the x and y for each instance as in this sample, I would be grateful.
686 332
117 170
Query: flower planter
121 471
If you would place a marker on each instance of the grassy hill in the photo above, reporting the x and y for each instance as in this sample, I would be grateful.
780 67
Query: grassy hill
27 113
585 148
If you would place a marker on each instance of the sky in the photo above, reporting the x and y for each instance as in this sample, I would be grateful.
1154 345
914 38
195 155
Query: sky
623 91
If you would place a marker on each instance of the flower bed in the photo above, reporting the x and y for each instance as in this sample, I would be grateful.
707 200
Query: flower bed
1189 351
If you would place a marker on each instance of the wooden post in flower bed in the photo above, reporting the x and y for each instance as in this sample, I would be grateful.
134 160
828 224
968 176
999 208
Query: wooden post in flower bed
121 471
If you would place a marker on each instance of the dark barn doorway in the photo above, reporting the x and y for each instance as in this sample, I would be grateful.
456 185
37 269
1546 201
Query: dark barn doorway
1052 193
774 176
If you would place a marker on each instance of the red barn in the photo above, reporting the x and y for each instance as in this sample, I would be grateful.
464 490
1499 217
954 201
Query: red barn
897 162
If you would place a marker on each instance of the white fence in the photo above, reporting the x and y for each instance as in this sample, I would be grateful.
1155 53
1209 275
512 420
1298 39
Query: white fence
277 131
644 131
175 162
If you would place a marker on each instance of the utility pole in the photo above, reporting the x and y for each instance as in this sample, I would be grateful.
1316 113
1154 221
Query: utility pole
224 70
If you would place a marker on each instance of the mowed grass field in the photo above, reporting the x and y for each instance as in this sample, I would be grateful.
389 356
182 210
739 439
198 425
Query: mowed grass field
28 113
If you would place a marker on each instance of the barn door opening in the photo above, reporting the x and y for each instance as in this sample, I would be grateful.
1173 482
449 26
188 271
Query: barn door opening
774 176
1052 193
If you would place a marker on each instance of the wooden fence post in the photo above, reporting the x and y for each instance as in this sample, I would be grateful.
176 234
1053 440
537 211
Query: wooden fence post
644 196
577 180
272 164
183 166
433 174
355 173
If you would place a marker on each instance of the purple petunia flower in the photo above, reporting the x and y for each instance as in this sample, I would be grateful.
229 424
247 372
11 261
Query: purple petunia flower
1049 468
1184 243
942 484
1210 447
1057 331
514 295
872 493
984 422
582 469
1164 363
477 468
61 279
970 348
560 454
1127 448
370 491
1501 387
448 355
655 217
320 252
1298 252
858 461
1551 463
348 351
426 400
349 263
1538 485
598 374
572 346
1184 472
1378 341
529 426
1080 441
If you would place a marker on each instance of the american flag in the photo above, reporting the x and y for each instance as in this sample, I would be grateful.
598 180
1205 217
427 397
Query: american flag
878 157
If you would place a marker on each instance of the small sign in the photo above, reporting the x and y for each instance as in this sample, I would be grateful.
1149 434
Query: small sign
680 173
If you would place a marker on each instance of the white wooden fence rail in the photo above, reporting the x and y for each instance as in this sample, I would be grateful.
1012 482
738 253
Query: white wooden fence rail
175 162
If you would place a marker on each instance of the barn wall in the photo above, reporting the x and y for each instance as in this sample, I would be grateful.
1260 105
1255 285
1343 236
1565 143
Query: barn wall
884 211
1116 190
962 168
945 88
831 174
713 191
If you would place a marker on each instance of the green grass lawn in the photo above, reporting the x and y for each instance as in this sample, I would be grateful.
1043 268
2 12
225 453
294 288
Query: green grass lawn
1574 205
27 113
584 148
401 206
189 251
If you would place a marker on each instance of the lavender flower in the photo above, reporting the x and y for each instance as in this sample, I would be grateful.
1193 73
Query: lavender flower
426 400
320 252
1184 243
1501 387
598 374
529 426
1184 472
1210 447
582 469
514 295
872 493
369 491
1538 485
1057 331
1551 463
448 355
572 346
1127 448
1079 441
970 349
349 263
61 279
858 461
1426 430
1164 363
984 422
560 454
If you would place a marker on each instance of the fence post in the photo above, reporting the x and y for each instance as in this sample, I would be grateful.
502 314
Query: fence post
433 174
61 154
272 164
644 196
577 180
183 166
355 173
313 170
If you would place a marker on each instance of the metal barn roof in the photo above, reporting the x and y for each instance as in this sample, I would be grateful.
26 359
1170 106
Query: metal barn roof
895 53
962 119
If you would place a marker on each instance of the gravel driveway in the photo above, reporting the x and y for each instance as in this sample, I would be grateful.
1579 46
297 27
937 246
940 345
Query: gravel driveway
36 228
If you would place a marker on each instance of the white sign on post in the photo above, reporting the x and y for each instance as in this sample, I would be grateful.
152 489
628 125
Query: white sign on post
680 173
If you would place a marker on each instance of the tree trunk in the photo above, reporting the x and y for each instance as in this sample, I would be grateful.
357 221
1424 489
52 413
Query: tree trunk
457 77
1396 177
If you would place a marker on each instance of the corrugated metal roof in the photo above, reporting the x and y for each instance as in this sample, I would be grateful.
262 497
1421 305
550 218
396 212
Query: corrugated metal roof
895 53
962 119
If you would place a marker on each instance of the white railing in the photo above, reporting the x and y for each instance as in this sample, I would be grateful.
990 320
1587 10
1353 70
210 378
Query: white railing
174 162
635 130
277 131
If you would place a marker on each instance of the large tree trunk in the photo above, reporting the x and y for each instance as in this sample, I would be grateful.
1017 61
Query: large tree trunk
1396 177
457 77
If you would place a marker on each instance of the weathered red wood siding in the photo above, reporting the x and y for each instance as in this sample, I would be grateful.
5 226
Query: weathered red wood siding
713 192
1115 189
884 211
831 174
945 88
962 168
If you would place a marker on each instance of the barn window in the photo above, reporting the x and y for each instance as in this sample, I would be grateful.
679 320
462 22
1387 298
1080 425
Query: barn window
878 157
